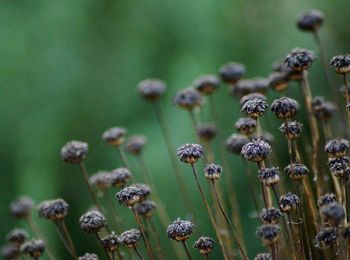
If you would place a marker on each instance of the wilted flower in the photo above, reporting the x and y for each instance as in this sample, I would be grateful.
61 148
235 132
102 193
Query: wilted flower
180 230
284 107
54 210
212 171
74 152
114 136
151 89
190 153
92 221
205 245
256 150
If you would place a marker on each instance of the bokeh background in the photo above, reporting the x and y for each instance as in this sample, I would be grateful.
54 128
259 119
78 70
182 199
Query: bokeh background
69 70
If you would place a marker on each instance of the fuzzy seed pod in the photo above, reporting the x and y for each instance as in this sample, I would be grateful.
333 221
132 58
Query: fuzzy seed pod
326 238
92 221
337 147
101 180
268 233
263 256
270 215
212 171
207 132
111 242
333 213
245 126
190 153
291 129
204 244
339 166
10 252
151 89
114 136
251 96
119 177
235 143
54 210
299 59
310 21
341 63
256 150
34 248
242 88
326 199
296 171
188 98
261 85
134 144
284 107
180 230
232 72
254 107
144 189
206 84
130 238
22 207
146 209
129 196
322 109
17 236
74 152
278 81
269 176
88 256
346 232
288 202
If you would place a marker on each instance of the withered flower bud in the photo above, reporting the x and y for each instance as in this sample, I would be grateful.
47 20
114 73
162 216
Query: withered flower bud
212 171
130 238
246 125
55 210
207 132
263 256
92 221
206 84
145 190
268 233
101 180
291 129
111 242
326 199
74 152
129 195
337 147
284 107
205 245
17 236
333 213
339 166
235 143
251 97
310 21
254 107
296 171
269 176
299 59
10 252
278 81
242 88
145 209
151 89
326 238
34 248
120 176
261 85
190 153
341 63
288 202
134 144
270 215
88 256
256 151
188 98
180 230
114 136
21 208
232 72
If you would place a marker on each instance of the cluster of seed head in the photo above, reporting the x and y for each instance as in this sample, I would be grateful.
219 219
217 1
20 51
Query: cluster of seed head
291 129
101 180
180 230
268 233
120 176
246 126
254 108
151 89
256 150
188 98
337 147
270 215
206 84
74 152
114 136
55 210
130 238
299 59
111 242
129 196
92 221
204 244
190 153
269 176
212 171
341 63
296 171
135 144
339 166
289 202
284 107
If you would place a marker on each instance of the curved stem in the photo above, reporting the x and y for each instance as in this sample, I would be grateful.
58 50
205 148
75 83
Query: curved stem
156 236
68 238
100 240
86 180
123 157
138 253
187 250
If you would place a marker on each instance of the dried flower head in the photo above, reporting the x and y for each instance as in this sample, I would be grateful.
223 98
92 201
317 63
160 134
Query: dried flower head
337 147
190 153
291 129
326 238
10 252
129 195
339 166
134 144
296 171
254 107
251 96
130 238
188 98
256 150
206 84
326 199
212 171
261 85
101 180
120 176
269 176
270 215
246 126
111 242
263 256
146 208
268 233
204 244
180 230
232 72
288 202
151 89
207 132
235 143
278 81
55 210
22 207
114 136
333 213
17 236
145 190
284 107
88 256
242 88
341 63
299 59
323 109
310 21
92 221
74 152
34 248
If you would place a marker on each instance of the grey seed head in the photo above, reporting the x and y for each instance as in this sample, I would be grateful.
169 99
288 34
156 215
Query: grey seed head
17 236
190 153
269 176
180 230
256 150
296 171
92 221
325 238
246 126
310 21
146 208
270 215
263 256
10 251
278 81
111 242
299 59
120 176
151 89
22 207
74 152
337 147
34 248
129 195
341 63
114 136
88 256
207 132
53 209
101 180
333 213
326 199
206 84
135 144
252 96
188 98
288 202
284 107
232 72
130 238
268 233
204 244
254 108
291 129
235 143
212 171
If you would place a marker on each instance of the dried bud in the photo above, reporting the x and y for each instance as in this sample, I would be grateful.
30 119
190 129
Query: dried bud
333 213
212 171
17 236
34 248
151 89
284 107
111 242
246 125
207 132
252 96
130 238
92 221
339 166
129 196
22 207
337 147
206 84
299 59
190 153
145 209
145 190
269 176
205 245
88 256
296 171
256 150
326 199
263 256
242 88
291 129
278 81
270 215
101 180
188 98
254 107
180 230
54 210
134 144
74 152
268 233
232 72
341 63
10 252
325 238
235 143
310 21
288 202
120 176
114 136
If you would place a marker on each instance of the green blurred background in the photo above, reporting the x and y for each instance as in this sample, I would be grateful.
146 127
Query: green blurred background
69 70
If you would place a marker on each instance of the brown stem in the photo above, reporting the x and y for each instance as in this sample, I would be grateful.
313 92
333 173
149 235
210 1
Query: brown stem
293 237
186 249
274 251
112 209
123 157
138 253
68 238
156 236
100 240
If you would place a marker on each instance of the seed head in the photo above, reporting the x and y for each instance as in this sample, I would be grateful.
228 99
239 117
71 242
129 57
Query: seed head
88 256
261 85
34 248
326 238
310 21
337 147
212 171
111 242
101 180
256 150
268 233
22 207
341 63
207 132
269 176
326 199
333 213
188 98
190 153
270 215
296 171
10 252
291 129
288 72
129 195
263 256
130 238
206 84
55 210
151 89
254 107
145 190
242 88
74 152
246 126
205 245
299 59
114 136
322 109
134 144
235 143
92 221
288 202
252 96
17 236
232 72
146 209
265 136
339 166
180 230
278 81
120 176
284 107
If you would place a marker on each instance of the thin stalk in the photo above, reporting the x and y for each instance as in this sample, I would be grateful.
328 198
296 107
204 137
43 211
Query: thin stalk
252 189
186 249
347 98
207 257
274 251
265 191
344 203
210 213
68 238
293 236
156 236
123 157
113 256
138 253
213 109
100 240
112 209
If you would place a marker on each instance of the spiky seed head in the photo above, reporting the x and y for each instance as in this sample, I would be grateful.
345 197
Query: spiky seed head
254 108
288 202
130 238
341 63
101 180
205 245
256 150
310 21
242 88
252 96
207 132
326 199
268 233
296 171
326 238
291 129
284 107
180 230
333 213
206 84
270 215
92 221
34 248
17 236
190 153
146 209
114 136
269 176
88 256
151 89
74 152
111 242
129 195
299 59
246 126
263 256
278 81
235 143
135 144
212 171
188 98
232 72
144 189
339 166
337 147
10 251
120 176
54 210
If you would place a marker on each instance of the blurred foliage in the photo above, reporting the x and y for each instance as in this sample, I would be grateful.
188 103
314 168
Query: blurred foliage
69 71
